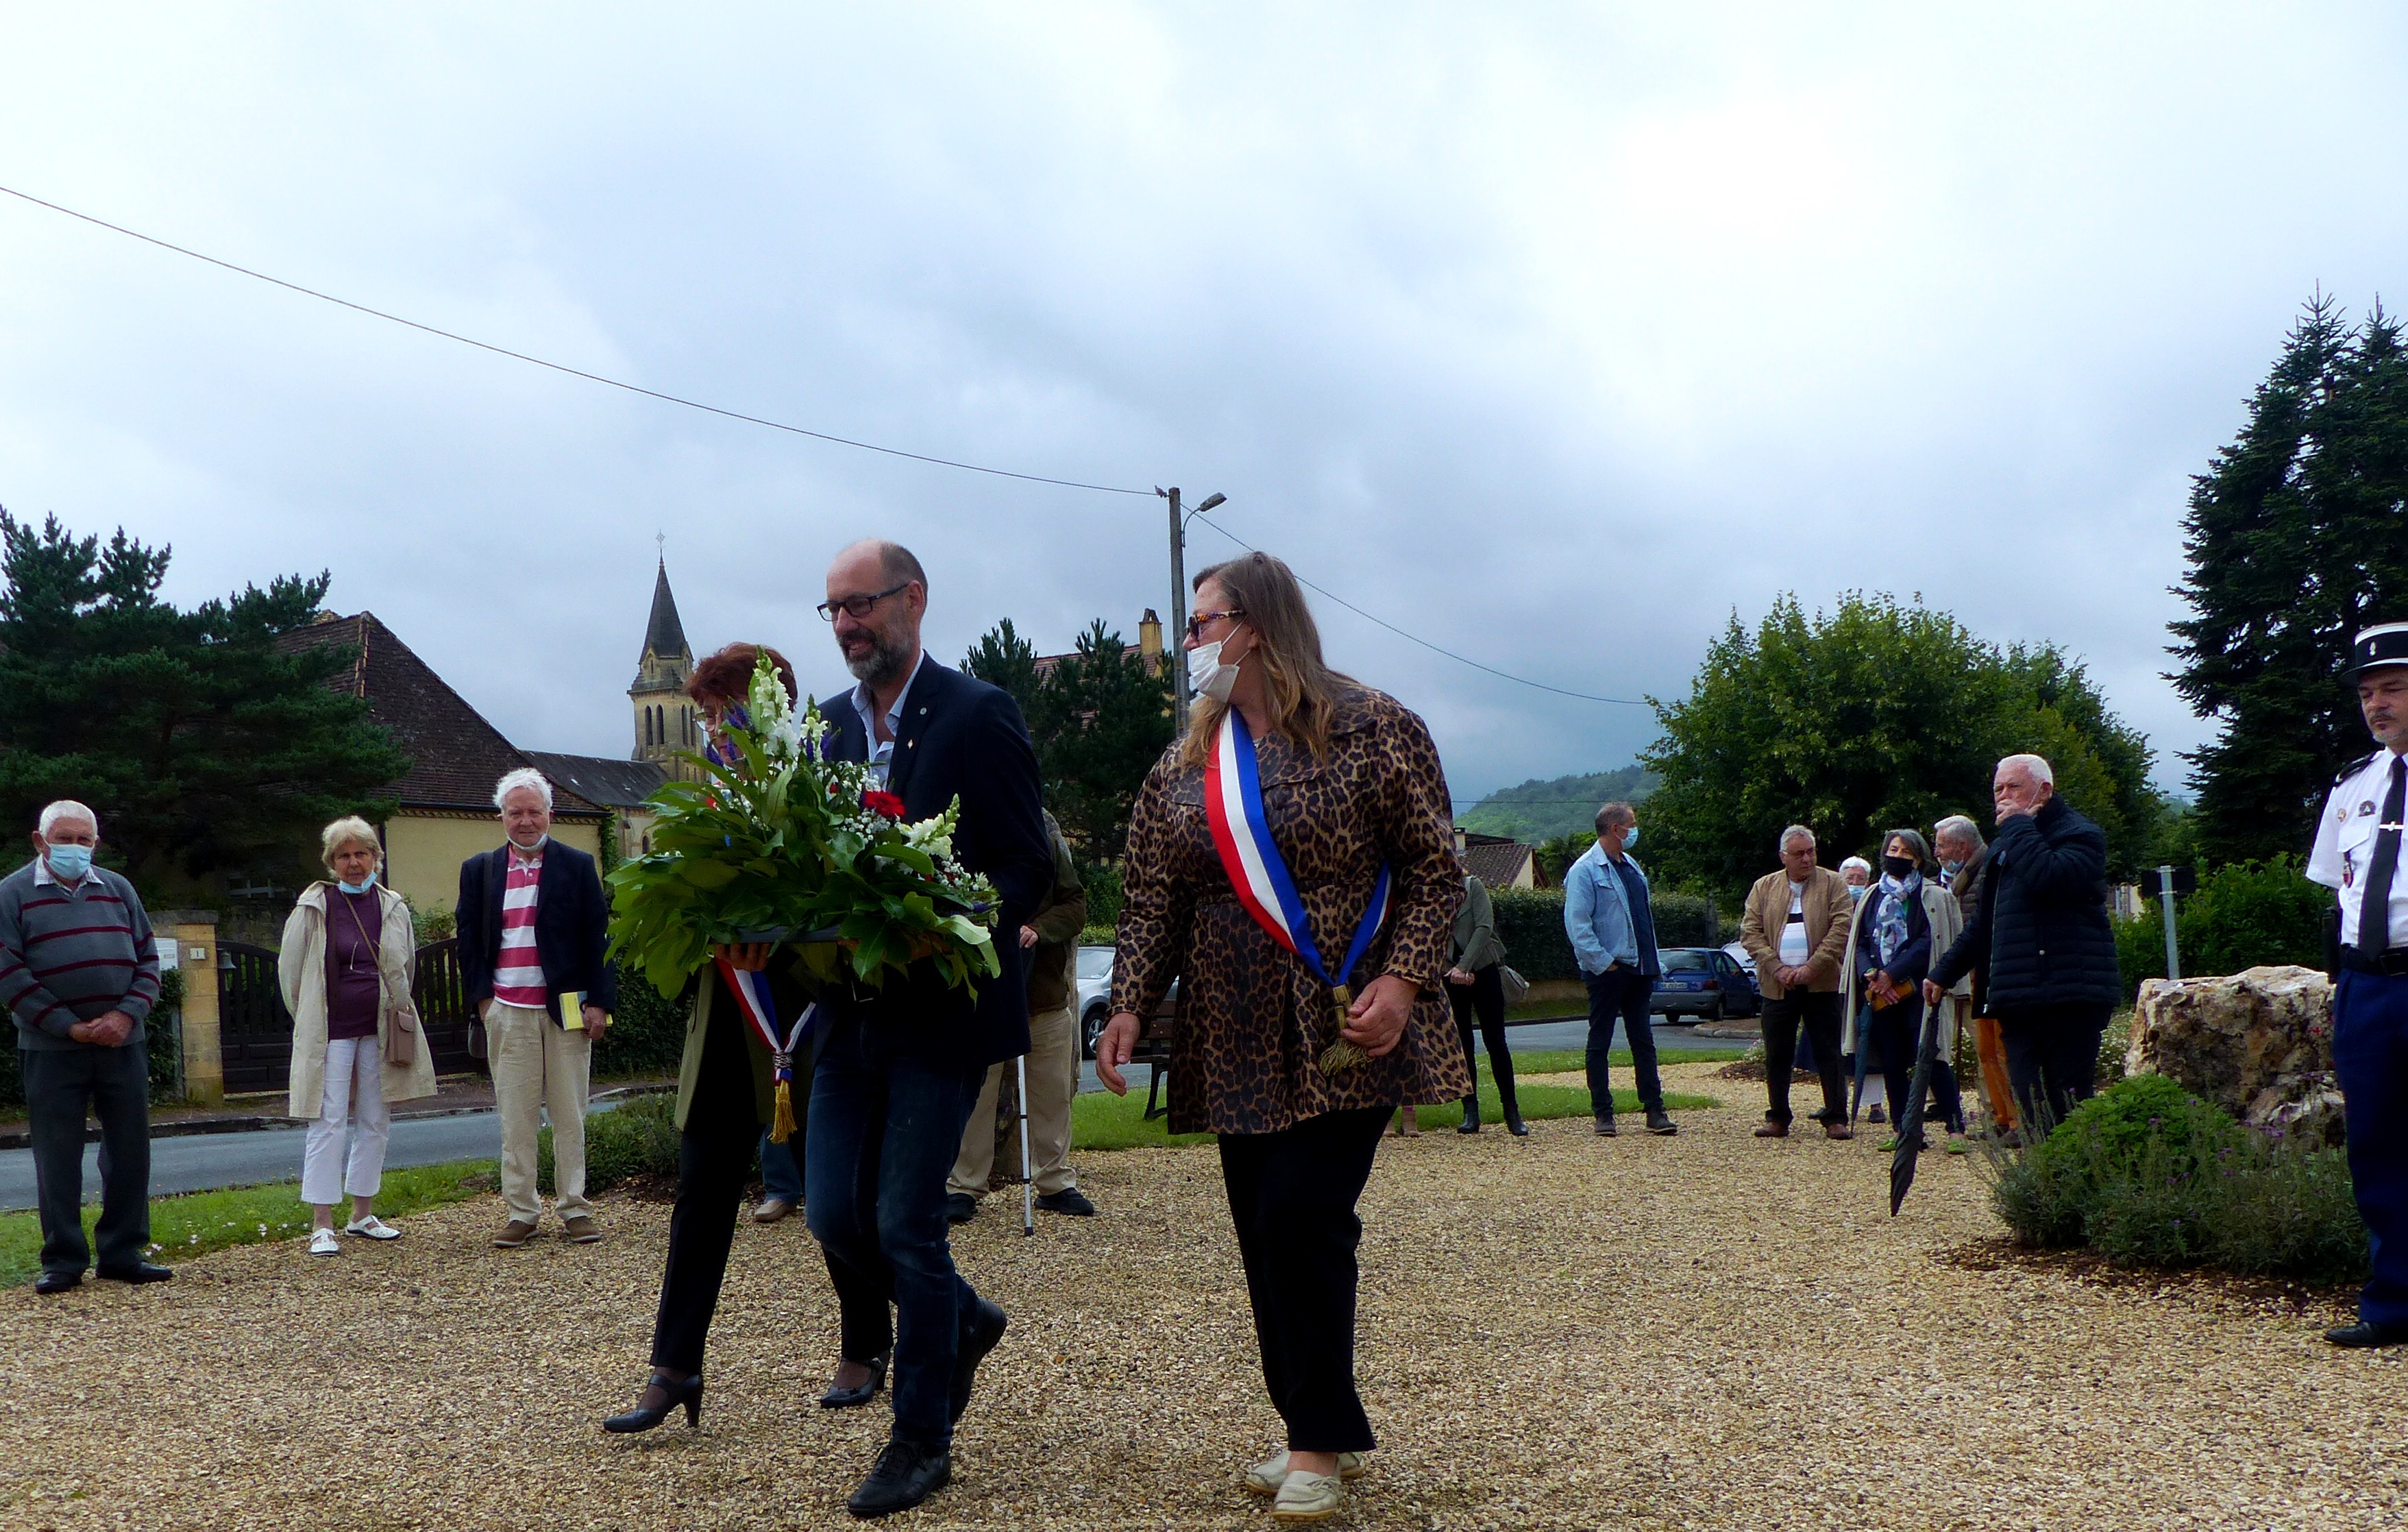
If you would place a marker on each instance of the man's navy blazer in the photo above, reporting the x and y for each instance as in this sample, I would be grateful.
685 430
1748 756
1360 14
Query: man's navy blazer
572 924
962 736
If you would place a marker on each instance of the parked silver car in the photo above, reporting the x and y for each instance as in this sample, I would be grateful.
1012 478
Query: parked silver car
1094 996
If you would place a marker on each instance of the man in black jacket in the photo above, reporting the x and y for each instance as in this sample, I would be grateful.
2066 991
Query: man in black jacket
902 1066
533 928
2041 936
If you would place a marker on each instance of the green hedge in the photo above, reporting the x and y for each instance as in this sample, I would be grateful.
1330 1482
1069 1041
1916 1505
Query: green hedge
647 1033
638 1138
2245 915
1531 924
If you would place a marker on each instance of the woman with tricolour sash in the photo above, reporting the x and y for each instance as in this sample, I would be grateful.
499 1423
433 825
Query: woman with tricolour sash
1292 862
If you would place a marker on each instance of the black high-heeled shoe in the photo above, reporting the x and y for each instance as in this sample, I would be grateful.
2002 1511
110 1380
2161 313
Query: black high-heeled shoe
846 1398
1470 1123
644 1417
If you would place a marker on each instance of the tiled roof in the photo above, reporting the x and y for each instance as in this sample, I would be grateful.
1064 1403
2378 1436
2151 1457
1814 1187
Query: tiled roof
1497 863
621 784
455 756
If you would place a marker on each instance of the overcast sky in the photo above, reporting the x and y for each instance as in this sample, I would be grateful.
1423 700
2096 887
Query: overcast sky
1551 335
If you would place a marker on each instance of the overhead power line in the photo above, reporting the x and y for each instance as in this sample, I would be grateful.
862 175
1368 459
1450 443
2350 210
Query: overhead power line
1460 660
562 367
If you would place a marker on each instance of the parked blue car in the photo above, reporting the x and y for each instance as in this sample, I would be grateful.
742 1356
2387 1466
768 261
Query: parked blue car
1705 982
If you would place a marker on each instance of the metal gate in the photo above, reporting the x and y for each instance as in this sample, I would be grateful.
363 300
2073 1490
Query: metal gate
254 1030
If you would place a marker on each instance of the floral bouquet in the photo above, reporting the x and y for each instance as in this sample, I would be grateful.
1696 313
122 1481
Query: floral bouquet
781 842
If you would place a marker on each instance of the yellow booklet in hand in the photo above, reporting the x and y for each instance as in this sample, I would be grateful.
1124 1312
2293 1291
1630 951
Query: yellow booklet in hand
572 1011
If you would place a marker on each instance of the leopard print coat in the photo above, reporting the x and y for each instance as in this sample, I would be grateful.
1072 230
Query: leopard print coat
1253 1019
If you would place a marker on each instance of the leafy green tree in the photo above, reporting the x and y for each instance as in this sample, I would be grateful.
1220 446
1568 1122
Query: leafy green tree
1877 715
200 741
1098 720
2297 537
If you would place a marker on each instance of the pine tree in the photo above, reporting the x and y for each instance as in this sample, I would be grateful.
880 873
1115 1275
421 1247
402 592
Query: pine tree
2296 537
1003 659
199 741
1106 721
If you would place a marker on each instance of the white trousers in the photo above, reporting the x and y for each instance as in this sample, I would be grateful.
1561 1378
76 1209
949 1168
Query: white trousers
353 1094
1052 1080
539 1065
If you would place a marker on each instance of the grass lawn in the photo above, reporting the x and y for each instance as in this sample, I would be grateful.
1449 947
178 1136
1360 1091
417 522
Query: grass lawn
1100 1121
200 1222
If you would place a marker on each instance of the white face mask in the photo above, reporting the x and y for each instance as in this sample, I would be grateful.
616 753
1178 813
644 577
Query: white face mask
1207 676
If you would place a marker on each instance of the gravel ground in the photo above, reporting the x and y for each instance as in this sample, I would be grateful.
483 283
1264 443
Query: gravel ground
1705 1331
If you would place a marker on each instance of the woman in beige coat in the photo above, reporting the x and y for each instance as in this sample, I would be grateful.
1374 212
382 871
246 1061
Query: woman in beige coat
345 971
1907 913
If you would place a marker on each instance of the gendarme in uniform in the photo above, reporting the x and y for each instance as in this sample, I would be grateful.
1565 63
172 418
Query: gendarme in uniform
2357 855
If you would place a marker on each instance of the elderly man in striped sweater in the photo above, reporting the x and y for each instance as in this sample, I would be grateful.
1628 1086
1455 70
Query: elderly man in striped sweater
533 928
80 975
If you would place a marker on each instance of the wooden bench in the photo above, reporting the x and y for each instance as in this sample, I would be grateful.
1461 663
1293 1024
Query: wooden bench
1153 1049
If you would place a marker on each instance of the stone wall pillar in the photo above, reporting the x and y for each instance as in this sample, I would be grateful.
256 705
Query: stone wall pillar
193 934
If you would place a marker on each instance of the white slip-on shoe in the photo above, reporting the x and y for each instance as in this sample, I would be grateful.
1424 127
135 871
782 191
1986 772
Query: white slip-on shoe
371 1227
1308 1497
323 1242
1266 1478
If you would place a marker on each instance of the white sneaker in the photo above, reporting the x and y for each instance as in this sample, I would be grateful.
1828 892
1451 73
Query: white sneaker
1266 1478
1308 1497
323 1242
371 1227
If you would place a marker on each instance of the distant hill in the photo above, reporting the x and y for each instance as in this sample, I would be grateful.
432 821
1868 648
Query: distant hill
1543 810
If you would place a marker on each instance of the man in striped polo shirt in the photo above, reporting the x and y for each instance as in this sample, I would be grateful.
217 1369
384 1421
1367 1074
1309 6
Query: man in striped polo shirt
80 975
533 926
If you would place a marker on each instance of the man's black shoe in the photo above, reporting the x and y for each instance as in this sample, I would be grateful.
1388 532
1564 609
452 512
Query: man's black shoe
1068 1200
906 1475
1660 1123
139 1273
1605 1128
960 1208
57 1282
981 1330
2368 1333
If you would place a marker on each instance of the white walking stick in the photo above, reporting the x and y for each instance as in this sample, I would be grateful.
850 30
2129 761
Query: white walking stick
1028 1168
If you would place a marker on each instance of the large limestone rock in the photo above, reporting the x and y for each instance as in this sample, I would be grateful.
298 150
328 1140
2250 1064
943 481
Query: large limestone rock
2257 1043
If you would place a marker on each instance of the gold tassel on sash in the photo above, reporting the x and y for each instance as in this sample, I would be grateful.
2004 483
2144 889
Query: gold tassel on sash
783 1128
1342 1054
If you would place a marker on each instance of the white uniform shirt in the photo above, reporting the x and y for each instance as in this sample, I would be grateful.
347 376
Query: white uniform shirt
2346 844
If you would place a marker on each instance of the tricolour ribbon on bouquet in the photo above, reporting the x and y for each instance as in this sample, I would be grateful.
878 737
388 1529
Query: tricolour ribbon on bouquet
1233 808
750 989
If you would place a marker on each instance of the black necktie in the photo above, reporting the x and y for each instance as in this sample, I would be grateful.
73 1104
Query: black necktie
2374 910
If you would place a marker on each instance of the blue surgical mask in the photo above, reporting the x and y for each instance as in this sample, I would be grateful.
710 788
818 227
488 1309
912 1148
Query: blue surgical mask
1631 837
70 863
360 888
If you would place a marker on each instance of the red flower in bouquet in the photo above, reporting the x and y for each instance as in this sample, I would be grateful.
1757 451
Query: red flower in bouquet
884 803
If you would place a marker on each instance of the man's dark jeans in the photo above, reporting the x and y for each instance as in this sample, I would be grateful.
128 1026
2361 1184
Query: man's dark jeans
883 1133
1820 1016
1622 993
2053 1055
114 1083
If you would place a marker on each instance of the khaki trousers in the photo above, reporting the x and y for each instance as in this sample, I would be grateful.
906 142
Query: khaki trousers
1052 1080
539 1065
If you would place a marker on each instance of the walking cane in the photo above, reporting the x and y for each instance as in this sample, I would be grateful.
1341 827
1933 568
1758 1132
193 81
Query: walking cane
1028 1169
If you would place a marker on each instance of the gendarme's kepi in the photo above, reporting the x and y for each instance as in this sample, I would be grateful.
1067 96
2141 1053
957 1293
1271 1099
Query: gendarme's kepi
2385 643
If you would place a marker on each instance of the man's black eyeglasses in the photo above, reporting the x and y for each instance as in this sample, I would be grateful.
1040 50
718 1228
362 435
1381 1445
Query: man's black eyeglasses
857 607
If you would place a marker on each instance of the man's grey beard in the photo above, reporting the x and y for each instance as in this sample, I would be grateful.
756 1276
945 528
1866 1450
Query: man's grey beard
883 663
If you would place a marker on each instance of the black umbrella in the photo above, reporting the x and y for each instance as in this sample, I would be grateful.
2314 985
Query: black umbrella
1907 1117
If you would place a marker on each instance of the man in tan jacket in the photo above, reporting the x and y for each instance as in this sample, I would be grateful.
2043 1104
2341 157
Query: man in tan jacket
1796 926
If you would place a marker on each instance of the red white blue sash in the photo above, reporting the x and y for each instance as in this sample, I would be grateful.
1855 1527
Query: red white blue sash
1233 806
750 989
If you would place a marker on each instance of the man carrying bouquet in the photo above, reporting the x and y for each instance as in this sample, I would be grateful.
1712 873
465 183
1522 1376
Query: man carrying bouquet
903 1064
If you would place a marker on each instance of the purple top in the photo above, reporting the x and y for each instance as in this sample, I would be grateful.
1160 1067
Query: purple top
354 930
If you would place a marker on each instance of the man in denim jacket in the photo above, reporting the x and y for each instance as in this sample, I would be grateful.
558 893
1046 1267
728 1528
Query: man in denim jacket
1613 930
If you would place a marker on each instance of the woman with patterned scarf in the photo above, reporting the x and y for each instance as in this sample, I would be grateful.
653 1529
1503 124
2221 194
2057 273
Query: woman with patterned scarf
1904 920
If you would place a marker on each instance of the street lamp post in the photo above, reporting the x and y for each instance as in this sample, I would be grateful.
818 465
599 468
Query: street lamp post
1178 600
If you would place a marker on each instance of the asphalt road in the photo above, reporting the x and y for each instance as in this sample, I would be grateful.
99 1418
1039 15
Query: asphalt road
204 1162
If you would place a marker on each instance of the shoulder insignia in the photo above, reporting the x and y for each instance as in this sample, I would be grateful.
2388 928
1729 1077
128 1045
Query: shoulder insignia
2355 767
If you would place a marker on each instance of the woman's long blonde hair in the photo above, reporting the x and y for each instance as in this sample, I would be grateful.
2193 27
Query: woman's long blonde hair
1303 690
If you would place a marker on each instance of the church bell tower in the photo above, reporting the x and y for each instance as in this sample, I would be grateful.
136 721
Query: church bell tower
665 721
